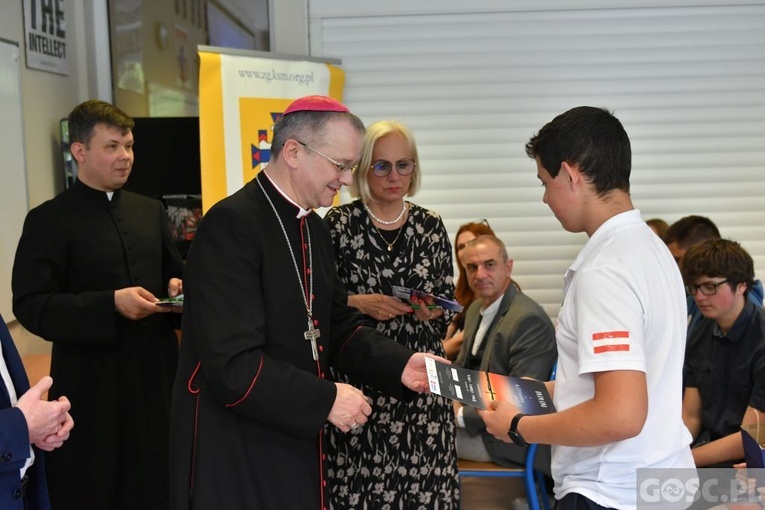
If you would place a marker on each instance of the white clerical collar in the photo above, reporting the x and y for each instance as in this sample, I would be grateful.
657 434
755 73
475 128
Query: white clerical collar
109 195
301 212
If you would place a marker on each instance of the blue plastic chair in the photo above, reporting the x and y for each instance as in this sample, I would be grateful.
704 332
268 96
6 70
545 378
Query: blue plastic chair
533 479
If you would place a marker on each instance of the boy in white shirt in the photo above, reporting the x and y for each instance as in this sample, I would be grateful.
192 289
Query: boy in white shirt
621 328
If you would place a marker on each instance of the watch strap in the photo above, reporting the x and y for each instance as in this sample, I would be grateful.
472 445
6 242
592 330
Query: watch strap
516 436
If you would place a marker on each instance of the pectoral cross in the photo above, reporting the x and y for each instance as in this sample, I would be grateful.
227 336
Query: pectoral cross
311 335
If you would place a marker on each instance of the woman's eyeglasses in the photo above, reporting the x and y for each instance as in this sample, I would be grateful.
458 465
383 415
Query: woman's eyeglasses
403 167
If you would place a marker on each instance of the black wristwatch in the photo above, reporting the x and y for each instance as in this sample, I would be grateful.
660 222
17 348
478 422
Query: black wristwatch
516 436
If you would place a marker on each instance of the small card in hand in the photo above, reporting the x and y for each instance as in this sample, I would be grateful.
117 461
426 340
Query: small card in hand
175 302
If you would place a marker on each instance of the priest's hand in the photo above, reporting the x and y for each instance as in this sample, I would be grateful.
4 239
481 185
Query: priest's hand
498 418
174 289
350 409
136 303
415 375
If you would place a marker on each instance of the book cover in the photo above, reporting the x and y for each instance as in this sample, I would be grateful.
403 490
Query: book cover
478 388
408 294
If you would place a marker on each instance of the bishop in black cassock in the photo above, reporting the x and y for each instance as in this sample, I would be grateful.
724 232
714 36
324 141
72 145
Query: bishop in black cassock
250 401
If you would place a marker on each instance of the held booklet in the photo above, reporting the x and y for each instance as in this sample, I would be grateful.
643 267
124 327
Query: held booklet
407 293
478 388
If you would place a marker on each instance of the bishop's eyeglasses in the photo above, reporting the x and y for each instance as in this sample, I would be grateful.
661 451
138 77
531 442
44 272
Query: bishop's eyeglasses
341 168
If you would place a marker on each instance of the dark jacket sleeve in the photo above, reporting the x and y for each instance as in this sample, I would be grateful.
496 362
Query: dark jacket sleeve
42 301
14 440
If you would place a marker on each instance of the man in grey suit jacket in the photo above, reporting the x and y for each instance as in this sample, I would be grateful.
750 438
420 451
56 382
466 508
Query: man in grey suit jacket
506 332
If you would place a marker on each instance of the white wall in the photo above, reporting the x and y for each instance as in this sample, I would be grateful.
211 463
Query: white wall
475 79
289 26
352 8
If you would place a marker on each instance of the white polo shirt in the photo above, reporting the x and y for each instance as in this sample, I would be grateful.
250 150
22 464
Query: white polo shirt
623 309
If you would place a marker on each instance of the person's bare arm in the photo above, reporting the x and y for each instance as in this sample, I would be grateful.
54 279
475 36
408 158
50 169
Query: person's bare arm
550 385
617 411
725 449
692 411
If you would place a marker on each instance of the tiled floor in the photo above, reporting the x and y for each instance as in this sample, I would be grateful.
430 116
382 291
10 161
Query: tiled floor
490 493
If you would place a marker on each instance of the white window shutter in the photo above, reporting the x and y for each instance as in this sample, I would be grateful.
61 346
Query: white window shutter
688 83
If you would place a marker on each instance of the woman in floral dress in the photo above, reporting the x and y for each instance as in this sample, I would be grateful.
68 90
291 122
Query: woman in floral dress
404 456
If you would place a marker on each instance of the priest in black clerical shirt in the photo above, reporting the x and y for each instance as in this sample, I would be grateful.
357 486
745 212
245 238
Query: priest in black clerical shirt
264 317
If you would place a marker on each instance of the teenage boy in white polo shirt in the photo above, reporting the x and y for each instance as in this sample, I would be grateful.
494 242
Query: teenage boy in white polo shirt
621 328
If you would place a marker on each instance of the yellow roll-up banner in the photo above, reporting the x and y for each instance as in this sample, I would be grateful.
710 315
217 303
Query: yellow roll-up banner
240 99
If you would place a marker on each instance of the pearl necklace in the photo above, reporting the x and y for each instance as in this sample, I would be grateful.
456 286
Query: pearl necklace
383 222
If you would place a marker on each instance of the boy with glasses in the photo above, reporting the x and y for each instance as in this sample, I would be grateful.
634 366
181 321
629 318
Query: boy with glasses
725 380
680 237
